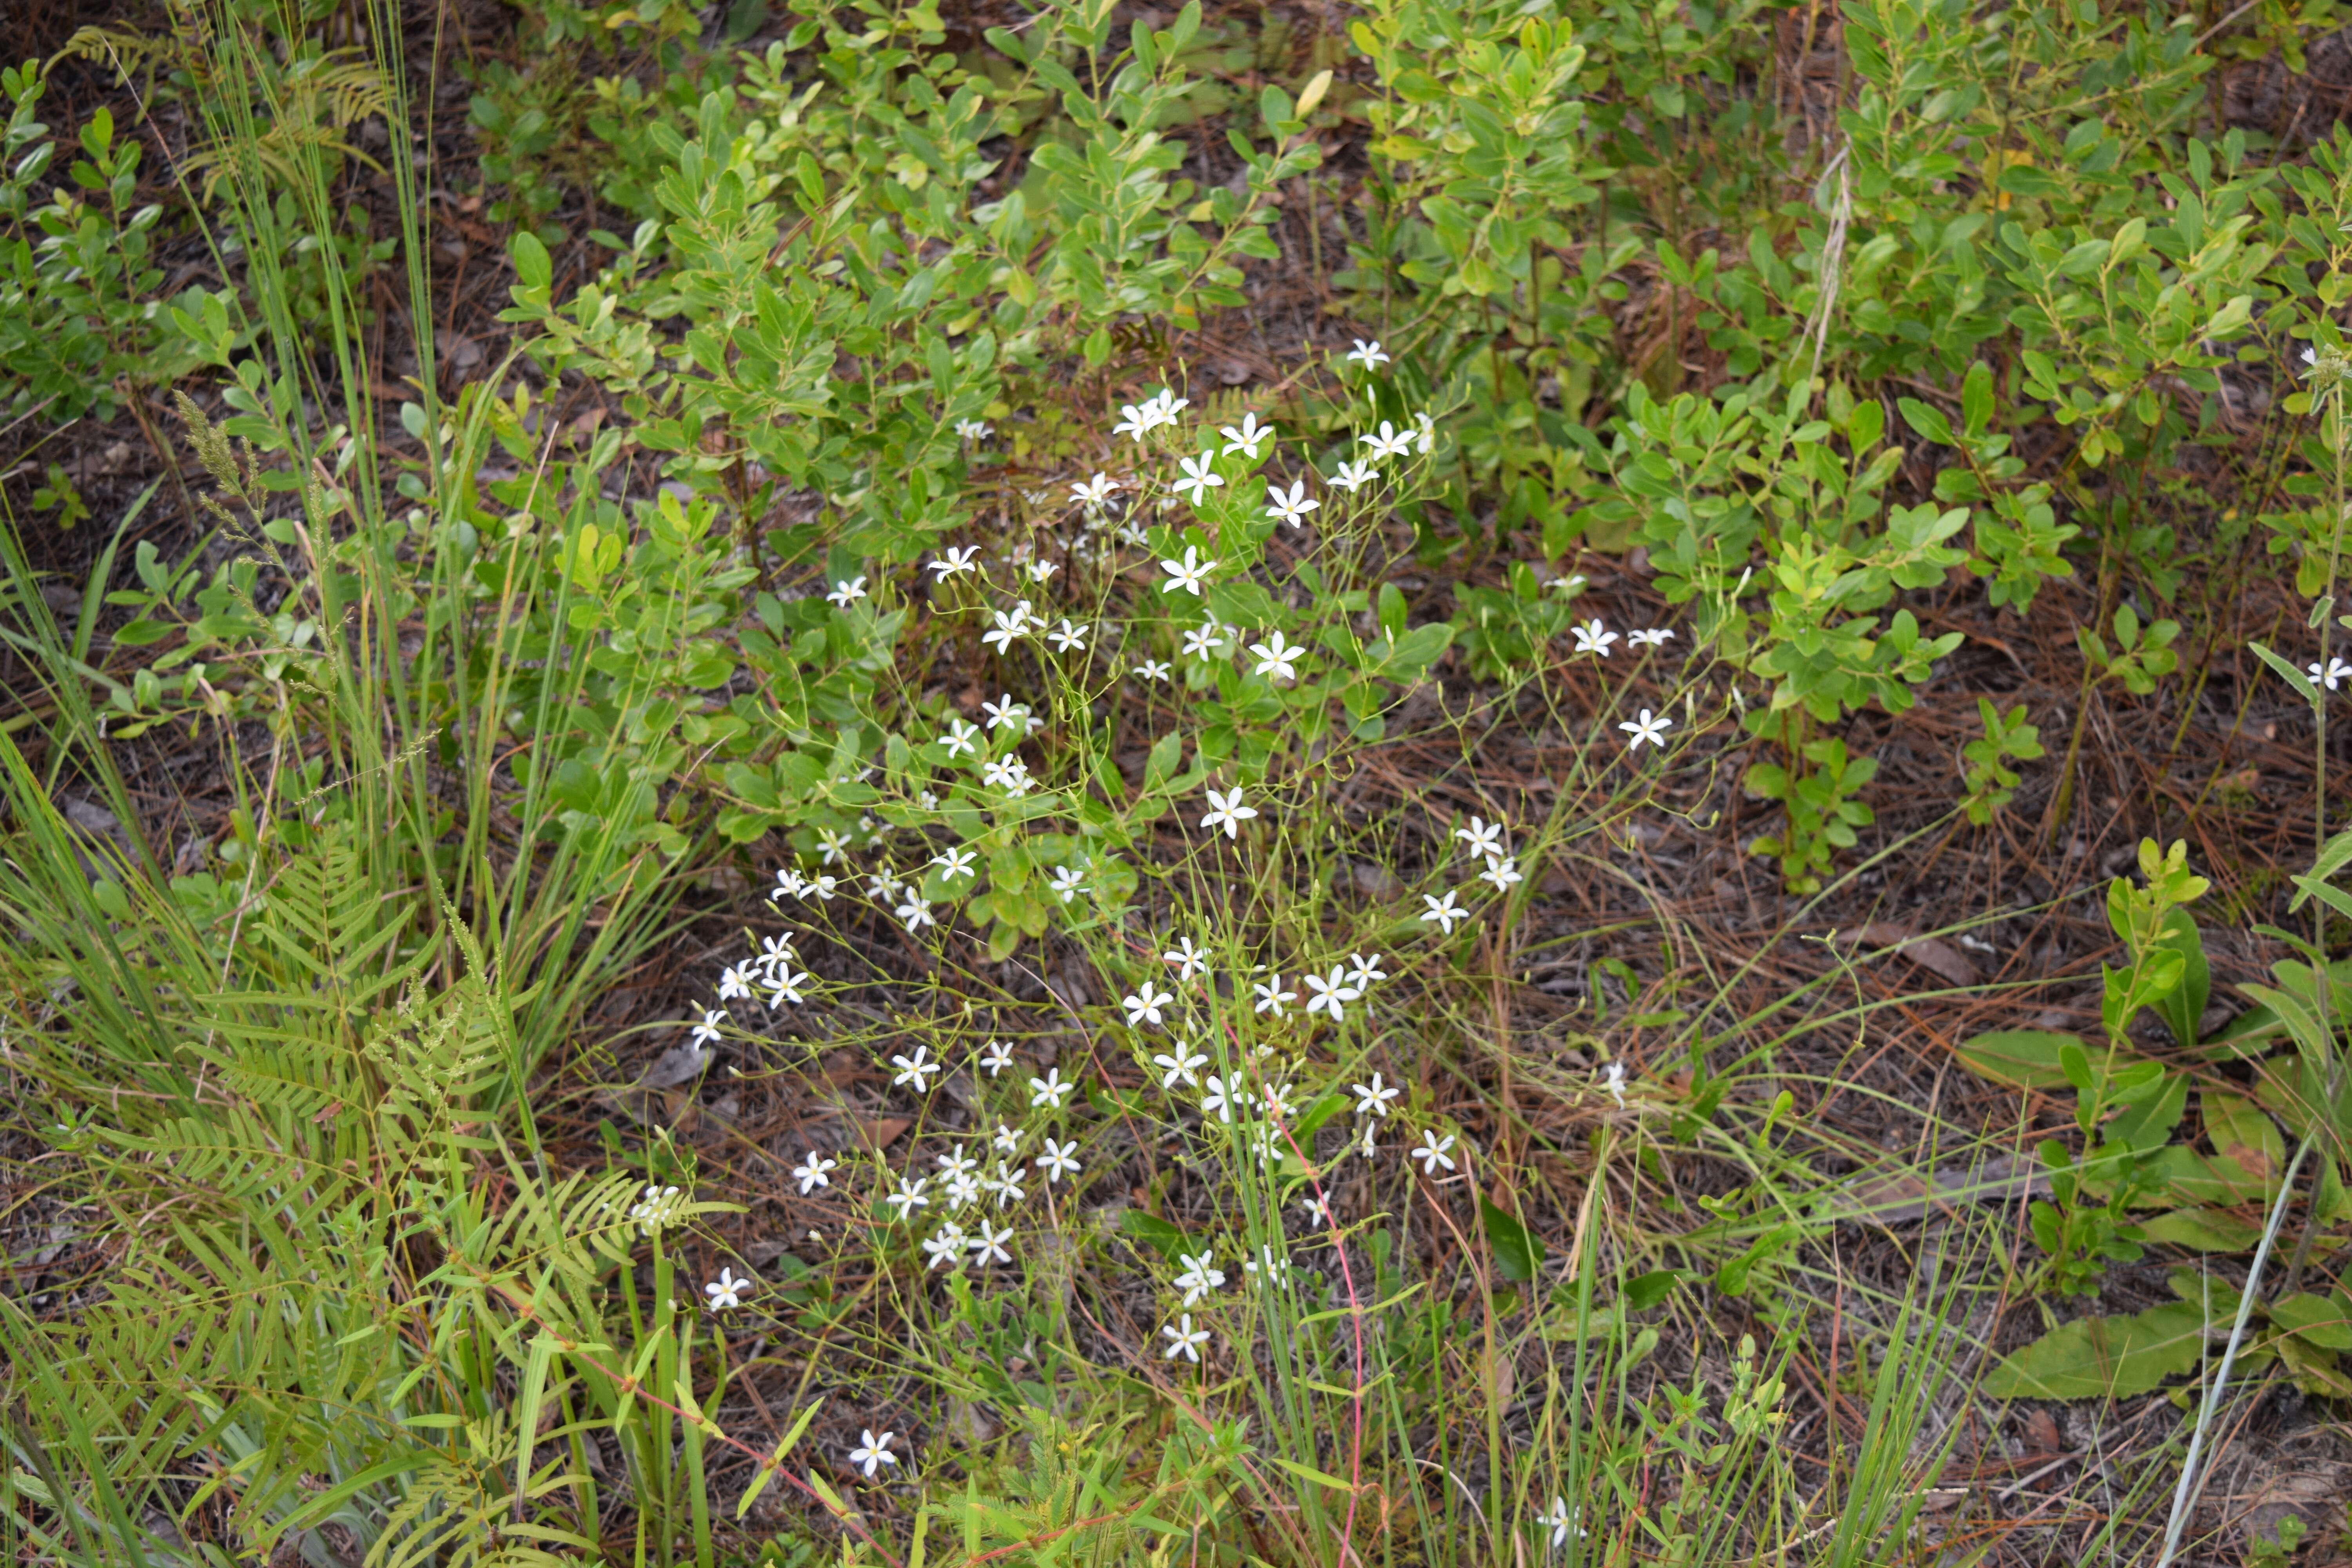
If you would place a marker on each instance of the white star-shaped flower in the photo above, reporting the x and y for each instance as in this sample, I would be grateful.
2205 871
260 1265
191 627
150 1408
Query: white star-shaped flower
1271 997
987 1244
1190 575
1143 1007
784 986
1331 994
1247 436
1653 730
1592 638
849 592
1010 774
1291 506
1048 1092
1008 1191
1388 441
1184 1340
1373 1099
916 1070
1277 659
1200 1276
960 737
1559 1522
1059 1160
1434 1152
1204 641
1442 912
1366 355
1267 1268
1200 477
1182 1066
1503 870
1010 627
811 1171
1352 477
873 1453
1226 811
726 1292
1138 420
1189 959
1217 1097
1482 836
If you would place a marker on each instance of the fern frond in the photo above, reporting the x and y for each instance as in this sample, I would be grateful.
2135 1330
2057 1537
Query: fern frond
329 931
315 100
436 1059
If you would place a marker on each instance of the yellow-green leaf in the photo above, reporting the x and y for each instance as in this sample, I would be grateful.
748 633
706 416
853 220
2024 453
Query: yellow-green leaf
2105 1358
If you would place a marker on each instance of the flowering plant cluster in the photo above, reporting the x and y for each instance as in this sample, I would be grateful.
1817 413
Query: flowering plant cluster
1175 668
1201 619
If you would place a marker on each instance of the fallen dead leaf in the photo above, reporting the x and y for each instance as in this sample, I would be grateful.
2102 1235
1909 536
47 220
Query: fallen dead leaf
1934 955
879 1132
2312 1491
674 1066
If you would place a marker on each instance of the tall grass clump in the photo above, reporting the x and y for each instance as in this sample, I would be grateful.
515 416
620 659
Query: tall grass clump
284 1075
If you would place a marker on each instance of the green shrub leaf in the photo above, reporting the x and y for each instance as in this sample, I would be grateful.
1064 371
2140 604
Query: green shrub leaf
2105 1358
2022 1058
1517 1252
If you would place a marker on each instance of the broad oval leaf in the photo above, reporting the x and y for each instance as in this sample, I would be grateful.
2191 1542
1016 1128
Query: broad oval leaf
1518 1253
2022 1058
2105 1358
